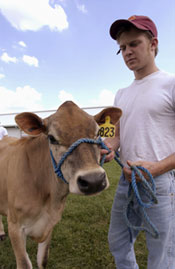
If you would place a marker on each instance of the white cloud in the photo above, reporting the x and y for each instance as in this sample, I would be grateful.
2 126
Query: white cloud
53 2
82 8
34 14
105 98
7 59
2 76
30 60
23 99
65 96
22 44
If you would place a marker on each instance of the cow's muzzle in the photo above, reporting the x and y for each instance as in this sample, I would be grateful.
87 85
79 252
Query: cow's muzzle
92 183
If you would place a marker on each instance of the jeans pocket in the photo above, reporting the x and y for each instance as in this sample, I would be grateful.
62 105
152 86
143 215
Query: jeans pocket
165 184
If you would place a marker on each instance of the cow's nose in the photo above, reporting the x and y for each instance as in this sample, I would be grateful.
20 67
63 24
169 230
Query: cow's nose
91 184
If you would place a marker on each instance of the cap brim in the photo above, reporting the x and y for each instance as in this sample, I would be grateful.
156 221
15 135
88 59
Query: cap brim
115 27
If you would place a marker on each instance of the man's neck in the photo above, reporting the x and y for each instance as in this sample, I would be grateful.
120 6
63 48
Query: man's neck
139 74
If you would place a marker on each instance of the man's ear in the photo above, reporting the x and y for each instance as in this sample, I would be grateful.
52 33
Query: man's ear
30 123
154 43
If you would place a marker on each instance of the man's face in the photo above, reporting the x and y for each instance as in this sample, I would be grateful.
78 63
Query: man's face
136 50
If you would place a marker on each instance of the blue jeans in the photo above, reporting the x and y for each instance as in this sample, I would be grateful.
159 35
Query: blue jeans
161 251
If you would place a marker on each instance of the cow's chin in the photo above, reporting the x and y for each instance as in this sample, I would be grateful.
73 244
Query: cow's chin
73 188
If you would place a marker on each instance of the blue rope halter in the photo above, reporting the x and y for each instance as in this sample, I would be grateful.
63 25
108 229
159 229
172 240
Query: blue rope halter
134 188
57 167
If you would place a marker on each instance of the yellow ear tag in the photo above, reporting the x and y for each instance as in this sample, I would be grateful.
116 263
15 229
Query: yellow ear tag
107 129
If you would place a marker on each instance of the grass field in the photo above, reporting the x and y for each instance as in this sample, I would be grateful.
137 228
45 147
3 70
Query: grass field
79 241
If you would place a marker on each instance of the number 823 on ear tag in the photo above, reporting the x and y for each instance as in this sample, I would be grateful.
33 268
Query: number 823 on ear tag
107 129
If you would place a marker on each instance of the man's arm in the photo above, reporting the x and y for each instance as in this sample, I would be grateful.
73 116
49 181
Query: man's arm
155 168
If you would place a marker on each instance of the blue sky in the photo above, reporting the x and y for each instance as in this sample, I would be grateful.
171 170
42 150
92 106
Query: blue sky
57 50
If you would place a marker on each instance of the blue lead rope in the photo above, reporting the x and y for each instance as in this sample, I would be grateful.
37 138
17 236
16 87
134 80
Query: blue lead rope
146 186
149 189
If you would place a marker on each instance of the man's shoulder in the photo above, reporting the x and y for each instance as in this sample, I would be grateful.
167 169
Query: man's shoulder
122 92
167 75
124 89
168 79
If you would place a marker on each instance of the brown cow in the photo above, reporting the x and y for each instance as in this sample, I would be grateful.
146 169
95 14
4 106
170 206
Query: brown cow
31 195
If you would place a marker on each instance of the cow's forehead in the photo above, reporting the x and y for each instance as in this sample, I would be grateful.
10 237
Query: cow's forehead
71 121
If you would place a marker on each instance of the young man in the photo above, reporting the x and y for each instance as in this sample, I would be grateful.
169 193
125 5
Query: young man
146 137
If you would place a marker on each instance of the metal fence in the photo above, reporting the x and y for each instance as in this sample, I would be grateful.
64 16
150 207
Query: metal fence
8 119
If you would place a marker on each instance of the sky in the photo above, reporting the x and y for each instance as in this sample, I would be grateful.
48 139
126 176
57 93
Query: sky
58 50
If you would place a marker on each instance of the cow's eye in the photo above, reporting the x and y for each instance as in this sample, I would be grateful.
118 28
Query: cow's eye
53 140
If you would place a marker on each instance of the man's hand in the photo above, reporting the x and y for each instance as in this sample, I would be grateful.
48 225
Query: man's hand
109 155
152 167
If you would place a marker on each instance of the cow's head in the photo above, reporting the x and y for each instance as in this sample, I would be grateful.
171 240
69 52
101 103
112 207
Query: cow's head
68 124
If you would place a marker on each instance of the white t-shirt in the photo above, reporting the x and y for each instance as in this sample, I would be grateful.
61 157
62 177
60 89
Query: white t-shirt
147 125
3 132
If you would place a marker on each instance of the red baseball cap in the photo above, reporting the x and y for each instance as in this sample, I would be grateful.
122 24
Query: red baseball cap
140 22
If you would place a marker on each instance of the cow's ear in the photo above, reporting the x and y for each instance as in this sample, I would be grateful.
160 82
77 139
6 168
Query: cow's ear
30 123
114 113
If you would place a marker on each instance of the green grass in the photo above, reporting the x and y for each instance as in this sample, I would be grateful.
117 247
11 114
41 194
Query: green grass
79 241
